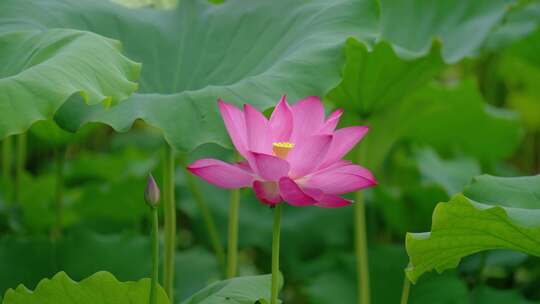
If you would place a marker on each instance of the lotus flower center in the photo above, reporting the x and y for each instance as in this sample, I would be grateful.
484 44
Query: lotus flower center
281 149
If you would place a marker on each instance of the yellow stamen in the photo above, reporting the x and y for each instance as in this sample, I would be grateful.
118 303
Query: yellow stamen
281 149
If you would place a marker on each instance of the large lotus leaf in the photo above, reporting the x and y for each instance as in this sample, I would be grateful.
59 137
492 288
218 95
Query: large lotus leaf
49 133
41 69
81 254
521 21
412 25
240 51
240 290
100 288
378 81
464 226
248 52
514 192
451 174
448 118
375 78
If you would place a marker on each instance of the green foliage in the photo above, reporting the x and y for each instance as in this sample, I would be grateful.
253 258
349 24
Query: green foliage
515 192
464 226
209 53
449 21
241 290
488 295
81 254
304 58
101 287
369 86
441 116
40 70
51 134
451 174
449 90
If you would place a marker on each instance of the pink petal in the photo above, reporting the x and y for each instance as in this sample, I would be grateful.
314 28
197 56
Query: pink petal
344 140
331 123
340 180
267 192
244 165
292 194
332 201
308 154
308 117
269 167
220 173
235 124
281 121
258 138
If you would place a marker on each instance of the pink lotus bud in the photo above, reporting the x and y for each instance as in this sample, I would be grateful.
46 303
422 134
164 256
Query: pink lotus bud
151 193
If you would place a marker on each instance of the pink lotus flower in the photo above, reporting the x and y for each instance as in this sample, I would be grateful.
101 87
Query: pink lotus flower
295 156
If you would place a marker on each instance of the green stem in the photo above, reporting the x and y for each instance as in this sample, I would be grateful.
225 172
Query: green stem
405 291
6 157
536 152
169 221
60 156
275 253
207 216
362 266
360 237
232 246
155 256
21 161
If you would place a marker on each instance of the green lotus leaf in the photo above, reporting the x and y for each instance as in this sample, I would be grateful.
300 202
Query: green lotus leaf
248 52
373 79
514 192
240 51
499 217
519 22
441 116
83 253
41 69
412 25
240 290
451 174
100 288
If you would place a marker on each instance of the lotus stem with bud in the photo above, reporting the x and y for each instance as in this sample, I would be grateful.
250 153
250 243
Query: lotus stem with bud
151 196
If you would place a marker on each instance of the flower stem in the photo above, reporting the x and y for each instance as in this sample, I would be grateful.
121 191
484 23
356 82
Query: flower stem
536 153
60 156
19 169
169 221
155 256
275 253
208 218
232 246
362 266
6 158
405 291
360 238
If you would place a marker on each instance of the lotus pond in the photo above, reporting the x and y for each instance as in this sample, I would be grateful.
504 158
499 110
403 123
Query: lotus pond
265 152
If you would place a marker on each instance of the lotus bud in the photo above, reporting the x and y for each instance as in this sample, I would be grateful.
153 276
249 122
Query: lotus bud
151 193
